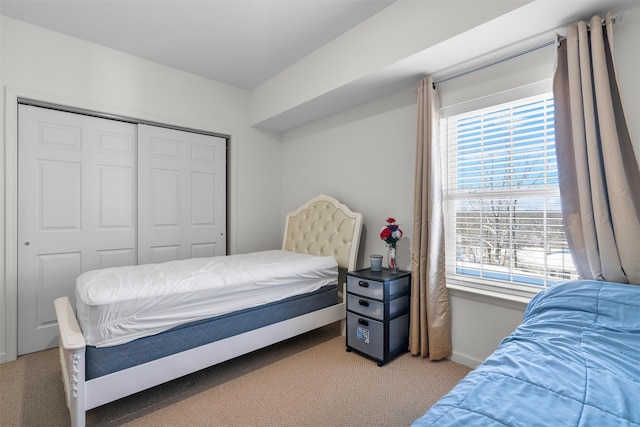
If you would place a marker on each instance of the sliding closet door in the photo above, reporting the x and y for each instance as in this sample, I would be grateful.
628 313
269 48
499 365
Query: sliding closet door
96 193
182 195
76 210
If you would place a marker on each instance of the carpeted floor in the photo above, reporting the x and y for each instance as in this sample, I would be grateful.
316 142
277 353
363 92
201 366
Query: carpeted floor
306 381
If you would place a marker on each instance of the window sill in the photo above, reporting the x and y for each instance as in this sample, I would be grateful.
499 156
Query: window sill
484 291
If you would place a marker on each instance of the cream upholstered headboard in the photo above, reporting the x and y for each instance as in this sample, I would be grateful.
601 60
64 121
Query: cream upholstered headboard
324 226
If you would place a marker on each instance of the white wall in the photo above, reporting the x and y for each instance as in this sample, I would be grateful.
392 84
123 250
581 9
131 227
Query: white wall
365 157
627 57
47 66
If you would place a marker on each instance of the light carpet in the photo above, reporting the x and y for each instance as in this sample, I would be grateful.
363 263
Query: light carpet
305 381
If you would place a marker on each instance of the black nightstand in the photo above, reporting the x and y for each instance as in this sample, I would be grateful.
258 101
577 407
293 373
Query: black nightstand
378 313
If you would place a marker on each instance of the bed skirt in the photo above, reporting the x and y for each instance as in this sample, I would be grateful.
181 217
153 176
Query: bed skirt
105 360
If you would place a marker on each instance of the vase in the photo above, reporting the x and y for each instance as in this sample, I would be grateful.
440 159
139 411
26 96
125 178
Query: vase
393 260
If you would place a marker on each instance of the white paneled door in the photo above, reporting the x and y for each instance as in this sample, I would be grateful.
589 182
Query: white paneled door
182 195
96 193
76 210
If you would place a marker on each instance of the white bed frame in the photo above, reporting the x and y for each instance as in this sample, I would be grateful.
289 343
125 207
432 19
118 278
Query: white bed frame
322 226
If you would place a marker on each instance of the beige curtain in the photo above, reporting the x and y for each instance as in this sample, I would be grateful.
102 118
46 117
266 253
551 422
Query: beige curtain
430 319
599 176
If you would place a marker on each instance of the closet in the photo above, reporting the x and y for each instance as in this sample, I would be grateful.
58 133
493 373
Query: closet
95 192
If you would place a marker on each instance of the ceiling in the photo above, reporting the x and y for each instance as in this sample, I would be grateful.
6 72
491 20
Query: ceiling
257 44
238 42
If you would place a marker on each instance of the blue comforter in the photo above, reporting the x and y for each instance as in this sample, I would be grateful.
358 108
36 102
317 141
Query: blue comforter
574 361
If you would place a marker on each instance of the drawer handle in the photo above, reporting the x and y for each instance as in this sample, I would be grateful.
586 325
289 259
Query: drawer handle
363 284
363 303
363 322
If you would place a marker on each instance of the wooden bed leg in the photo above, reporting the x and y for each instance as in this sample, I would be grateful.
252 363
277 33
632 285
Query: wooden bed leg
72 360
73 377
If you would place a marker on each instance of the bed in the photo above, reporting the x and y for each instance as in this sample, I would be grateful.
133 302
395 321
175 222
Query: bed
145 348
574 361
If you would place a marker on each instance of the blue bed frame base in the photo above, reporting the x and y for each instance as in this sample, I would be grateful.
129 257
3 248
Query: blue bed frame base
84 395
106 360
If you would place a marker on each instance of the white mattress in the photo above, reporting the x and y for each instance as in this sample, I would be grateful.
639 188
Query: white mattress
118 305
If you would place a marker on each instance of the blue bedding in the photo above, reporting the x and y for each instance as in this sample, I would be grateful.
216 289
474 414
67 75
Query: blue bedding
574 361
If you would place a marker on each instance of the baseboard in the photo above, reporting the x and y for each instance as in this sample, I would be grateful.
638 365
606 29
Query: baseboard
465 359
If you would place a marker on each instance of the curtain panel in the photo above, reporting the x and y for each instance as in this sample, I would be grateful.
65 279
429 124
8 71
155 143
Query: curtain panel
430 318
598 171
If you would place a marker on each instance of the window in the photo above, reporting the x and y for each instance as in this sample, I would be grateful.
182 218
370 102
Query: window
504 223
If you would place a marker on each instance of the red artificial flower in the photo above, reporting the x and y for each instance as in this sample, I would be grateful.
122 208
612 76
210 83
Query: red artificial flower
385 233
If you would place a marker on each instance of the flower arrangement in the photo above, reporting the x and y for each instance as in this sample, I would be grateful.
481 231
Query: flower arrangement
391 233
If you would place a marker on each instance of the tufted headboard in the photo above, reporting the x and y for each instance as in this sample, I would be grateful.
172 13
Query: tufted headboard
324 226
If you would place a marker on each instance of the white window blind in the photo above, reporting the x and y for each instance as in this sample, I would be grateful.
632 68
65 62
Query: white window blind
502 197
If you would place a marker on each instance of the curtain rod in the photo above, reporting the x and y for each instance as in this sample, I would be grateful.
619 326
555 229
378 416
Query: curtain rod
510 57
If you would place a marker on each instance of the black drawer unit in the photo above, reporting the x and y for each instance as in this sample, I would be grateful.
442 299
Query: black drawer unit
378 313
